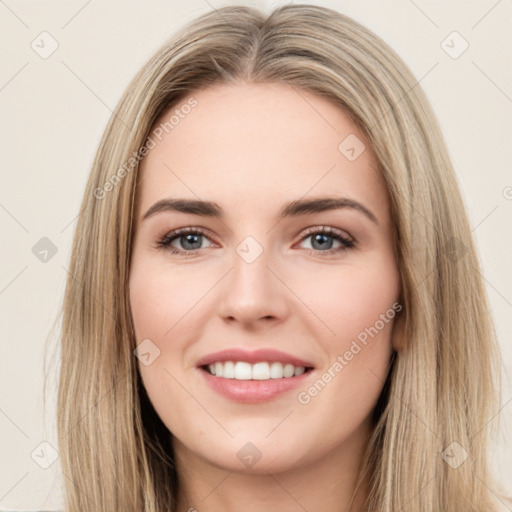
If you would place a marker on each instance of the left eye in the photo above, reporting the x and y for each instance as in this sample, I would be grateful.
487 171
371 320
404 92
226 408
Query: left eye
320 238
190 238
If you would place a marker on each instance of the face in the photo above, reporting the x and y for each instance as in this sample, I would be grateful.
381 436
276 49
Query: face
319 284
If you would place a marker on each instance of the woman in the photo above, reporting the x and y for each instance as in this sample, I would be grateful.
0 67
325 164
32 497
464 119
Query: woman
251 371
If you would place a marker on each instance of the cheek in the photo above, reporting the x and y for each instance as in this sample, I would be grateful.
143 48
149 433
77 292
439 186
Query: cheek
150 306
159 302
356 306
156 309
163 300
348 300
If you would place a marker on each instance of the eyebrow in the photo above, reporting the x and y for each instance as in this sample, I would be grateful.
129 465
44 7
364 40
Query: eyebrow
293 209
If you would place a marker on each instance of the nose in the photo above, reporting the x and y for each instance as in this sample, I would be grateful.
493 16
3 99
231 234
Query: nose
253 292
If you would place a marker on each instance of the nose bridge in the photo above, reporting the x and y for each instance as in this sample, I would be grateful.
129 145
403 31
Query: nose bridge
252 291
252 279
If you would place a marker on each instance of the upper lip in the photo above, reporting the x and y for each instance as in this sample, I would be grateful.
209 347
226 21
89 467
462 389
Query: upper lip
254 356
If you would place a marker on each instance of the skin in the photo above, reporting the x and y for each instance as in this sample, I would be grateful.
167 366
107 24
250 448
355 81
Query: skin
251 149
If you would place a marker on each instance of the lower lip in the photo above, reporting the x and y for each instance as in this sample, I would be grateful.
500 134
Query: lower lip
253 391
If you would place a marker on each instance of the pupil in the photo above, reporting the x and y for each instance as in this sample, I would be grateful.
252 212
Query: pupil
189 239
318 237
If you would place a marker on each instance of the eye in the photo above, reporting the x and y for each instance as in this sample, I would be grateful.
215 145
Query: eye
190 238
322 240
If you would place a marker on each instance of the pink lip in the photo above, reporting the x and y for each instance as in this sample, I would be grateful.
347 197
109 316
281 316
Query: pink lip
252 391
256 356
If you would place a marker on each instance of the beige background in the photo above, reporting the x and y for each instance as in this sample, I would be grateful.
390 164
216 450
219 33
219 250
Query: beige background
55 109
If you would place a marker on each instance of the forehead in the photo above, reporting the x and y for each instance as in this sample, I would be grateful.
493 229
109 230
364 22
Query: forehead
248 145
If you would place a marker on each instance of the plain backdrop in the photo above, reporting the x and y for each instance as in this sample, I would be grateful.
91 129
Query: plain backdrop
55 107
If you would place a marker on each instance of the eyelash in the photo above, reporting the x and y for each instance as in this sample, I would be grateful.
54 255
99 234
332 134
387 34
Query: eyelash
165 241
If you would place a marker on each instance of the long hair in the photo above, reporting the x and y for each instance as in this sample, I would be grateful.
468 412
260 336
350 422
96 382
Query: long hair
442 393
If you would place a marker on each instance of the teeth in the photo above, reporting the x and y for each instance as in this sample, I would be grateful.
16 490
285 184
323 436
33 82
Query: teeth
241 370
228 371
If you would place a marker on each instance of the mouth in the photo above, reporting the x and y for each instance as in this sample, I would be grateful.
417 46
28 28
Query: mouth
246 383
260 371
254 376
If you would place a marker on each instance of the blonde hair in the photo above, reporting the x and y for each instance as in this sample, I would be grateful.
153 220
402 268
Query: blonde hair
444 384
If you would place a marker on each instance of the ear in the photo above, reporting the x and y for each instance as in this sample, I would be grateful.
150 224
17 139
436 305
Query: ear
398 332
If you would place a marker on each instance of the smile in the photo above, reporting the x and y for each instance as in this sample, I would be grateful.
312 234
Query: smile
241 370
245 386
